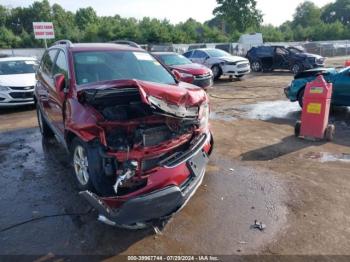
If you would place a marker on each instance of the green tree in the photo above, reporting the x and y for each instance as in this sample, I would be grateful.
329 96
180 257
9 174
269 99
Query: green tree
239 14
307 14
84 17
337 11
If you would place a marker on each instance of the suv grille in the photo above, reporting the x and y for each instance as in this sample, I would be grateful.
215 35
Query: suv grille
23 95
21 87
198 77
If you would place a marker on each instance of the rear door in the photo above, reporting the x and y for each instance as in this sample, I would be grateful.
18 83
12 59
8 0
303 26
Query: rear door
199 57
265 55
45 80
56 99
281 57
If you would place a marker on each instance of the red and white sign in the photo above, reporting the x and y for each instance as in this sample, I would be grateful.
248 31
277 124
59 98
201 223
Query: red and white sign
43 30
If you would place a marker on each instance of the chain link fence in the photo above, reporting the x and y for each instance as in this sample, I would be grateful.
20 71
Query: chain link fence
323 48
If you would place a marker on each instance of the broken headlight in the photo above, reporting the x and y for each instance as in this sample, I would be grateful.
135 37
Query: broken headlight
204 115
176 110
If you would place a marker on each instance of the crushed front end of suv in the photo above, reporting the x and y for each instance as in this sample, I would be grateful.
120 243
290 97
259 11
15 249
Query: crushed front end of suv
139 140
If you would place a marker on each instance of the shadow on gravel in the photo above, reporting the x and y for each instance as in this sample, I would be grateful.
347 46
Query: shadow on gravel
41 210
288 145
339 116
10 110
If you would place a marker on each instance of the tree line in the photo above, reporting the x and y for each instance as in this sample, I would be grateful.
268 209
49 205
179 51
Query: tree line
231 19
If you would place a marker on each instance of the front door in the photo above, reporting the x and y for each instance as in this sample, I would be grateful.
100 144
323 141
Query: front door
56 98
45 81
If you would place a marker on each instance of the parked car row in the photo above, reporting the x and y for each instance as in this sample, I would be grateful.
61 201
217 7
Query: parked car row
197 66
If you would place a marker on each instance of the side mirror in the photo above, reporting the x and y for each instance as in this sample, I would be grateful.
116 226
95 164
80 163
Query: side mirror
177 75
60 82
183 77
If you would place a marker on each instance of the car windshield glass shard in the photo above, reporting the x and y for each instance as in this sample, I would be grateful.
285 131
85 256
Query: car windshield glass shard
99 66
174 60
17 67
217 53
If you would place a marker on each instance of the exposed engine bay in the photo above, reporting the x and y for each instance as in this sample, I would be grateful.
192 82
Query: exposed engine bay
133 127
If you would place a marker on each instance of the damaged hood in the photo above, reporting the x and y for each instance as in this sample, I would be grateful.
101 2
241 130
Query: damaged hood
182 99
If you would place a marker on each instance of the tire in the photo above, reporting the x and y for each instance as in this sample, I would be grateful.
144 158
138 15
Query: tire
240 77
297 128
45 130
88 169
297 68
256 66
301 97
329 133
217 71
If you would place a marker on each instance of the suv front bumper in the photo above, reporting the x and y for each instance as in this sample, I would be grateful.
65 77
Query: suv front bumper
17 97
154 205
236 70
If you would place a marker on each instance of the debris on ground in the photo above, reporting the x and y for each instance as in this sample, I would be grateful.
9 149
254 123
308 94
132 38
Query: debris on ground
157 231
258 225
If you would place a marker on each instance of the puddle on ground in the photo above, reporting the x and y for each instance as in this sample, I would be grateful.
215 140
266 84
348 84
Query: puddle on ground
272 109
325 157
260 111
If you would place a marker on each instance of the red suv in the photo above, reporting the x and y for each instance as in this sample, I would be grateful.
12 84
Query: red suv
138 138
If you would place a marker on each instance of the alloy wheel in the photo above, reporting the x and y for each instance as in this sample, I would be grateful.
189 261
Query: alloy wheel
256 66
81 165
295 69
215 71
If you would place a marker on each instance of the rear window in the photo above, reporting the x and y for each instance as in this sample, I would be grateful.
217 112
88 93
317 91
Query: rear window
217 53
174 59
98 66
18 67
264 51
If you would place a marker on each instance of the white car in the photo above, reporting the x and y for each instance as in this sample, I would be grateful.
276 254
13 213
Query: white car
17 80
220 62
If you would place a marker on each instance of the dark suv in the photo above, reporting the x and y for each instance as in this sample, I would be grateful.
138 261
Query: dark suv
267 58
138 138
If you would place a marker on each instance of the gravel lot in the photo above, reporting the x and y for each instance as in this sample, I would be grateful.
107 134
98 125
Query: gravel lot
259 170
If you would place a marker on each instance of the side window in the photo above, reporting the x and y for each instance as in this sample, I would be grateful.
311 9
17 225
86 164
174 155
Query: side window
281 51
199 54
47 62
61 66
188 54
266 51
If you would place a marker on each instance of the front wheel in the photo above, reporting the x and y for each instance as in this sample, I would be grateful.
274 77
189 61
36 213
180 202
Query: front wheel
88 169
297 68
297 128
217 71
329 133
256 66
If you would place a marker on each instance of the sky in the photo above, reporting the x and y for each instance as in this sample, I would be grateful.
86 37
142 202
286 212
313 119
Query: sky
275 11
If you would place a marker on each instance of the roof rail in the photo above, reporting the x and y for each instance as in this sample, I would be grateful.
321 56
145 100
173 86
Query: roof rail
125 42
63 42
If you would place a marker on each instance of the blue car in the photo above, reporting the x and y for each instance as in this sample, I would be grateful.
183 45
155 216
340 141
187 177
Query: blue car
340 80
